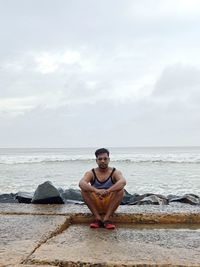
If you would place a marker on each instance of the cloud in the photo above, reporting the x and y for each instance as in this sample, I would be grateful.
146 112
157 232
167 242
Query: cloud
187 9
53 79
178 82
14 107
48 63
80 69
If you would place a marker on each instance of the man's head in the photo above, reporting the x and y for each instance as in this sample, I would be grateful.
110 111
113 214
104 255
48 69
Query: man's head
102 157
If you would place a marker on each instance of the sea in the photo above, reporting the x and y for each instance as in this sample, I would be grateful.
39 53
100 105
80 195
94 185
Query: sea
158 170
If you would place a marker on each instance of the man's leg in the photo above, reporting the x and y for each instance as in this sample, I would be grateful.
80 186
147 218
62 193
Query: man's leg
114 203
89 200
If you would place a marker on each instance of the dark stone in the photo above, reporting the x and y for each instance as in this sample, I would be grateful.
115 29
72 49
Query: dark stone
60 190
187 198
8 198
46 193
149 199
72 194
153 200
132 199
136 198
172 197
49 200
126 198
24 197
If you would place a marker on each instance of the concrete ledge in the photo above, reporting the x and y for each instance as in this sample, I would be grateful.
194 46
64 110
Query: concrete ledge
153 218
57 235
21 235
181 213
126 246
14 208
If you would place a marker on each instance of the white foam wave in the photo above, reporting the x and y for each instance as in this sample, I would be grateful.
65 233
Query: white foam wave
129 158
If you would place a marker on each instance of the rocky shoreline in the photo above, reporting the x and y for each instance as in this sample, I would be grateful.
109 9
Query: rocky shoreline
46 193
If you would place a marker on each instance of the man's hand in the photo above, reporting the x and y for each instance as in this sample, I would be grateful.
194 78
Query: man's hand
101 193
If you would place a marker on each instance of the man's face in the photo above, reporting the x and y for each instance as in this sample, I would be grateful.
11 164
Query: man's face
103 160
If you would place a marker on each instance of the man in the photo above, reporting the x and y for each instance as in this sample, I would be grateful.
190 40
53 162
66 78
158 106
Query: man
102 189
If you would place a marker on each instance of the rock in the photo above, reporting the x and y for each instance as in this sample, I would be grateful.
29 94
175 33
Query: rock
72 194
24 197
46 193
77 202
151 199
187 198
133 199
172 197
8 198
60 190
127 197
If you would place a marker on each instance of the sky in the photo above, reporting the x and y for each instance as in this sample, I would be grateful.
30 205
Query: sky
107 73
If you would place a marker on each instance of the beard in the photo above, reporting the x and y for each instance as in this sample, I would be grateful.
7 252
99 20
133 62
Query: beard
103 166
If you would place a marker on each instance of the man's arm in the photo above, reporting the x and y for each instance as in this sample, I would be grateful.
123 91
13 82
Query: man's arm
84 182
120 182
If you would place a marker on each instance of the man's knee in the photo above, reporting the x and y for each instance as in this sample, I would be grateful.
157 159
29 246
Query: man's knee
118 194
83 192
86 195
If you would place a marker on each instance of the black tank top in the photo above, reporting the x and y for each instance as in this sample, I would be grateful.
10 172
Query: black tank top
105 184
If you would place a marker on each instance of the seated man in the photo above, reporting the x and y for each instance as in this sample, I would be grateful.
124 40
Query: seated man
102 189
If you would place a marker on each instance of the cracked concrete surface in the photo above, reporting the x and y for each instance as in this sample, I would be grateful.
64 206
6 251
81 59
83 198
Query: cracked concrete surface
125 245
56 235
21 235
28 265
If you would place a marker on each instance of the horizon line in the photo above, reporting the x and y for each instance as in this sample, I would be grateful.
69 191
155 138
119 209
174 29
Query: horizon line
110 147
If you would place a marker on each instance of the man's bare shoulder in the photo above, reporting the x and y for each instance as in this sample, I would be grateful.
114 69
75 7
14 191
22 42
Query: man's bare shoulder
88 175
117 174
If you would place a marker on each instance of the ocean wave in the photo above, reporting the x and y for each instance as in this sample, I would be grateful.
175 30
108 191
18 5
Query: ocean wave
137 160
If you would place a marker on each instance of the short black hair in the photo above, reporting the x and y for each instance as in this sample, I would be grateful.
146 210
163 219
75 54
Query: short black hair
101 151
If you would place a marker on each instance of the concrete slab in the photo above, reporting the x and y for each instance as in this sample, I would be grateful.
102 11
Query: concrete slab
20 235
32 234
14 208
128 245
28 265
176 213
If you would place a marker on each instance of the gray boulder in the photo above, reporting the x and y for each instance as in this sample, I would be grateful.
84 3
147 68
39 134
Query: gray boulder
187 198
8 198
46 193
24 197
72 194
128 198
151 199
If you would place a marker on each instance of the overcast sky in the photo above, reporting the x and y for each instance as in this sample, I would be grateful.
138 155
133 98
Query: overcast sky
99 73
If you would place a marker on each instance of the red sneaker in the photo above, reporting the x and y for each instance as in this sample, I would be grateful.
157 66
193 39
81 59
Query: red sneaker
109 225
96 224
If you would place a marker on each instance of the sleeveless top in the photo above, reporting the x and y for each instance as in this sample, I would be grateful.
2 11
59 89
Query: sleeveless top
105 184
